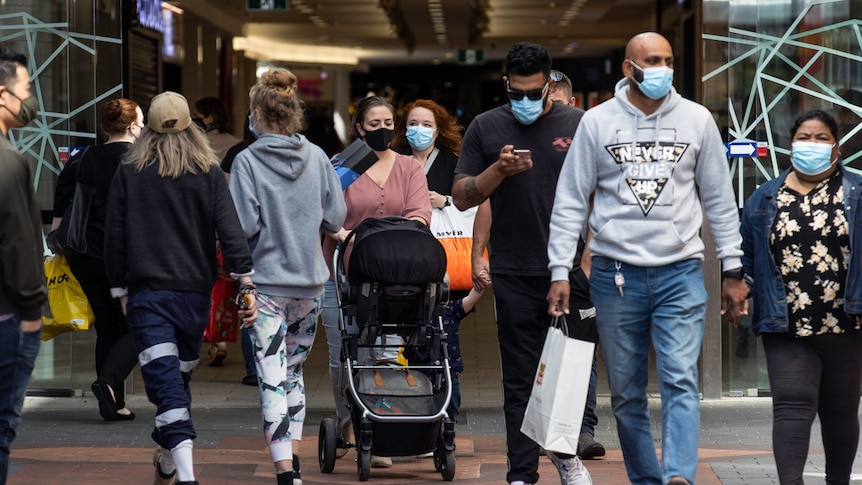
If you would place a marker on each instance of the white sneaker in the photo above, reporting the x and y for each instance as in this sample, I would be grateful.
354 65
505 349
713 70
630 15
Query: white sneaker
381 461
572 471
519 482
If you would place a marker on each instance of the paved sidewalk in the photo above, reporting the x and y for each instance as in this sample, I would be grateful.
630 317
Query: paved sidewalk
64 441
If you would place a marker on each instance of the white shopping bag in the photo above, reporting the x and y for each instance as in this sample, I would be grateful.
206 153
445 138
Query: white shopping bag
556 406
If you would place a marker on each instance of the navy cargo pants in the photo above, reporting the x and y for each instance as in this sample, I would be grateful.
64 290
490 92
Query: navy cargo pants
168 327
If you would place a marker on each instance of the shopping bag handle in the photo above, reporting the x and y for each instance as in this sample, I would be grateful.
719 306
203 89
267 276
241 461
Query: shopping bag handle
559 321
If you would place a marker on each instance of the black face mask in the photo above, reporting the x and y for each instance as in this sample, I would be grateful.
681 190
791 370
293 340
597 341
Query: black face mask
379 139
200 122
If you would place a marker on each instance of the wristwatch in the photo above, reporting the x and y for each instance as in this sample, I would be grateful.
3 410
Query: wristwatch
736 273
447 203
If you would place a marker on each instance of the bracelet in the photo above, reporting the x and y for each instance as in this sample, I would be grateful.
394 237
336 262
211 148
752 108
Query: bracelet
242 301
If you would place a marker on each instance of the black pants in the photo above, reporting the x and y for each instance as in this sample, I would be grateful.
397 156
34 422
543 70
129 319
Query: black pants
819 375
522 324
116 355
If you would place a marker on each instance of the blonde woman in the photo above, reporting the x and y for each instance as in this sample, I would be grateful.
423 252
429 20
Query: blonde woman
286 194
165 205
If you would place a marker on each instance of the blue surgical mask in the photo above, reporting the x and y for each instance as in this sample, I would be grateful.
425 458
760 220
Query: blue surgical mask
810 158
655 81
527 111
420 137
251 128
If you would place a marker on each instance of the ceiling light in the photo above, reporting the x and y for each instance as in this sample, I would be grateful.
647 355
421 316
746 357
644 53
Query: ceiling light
173 8
263 48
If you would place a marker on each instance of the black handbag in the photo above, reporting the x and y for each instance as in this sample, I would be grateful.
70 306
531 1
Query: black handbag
70 237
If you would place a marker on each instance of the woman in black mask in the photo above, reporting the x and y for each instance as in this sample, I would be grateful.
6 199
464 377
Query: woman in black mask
394 186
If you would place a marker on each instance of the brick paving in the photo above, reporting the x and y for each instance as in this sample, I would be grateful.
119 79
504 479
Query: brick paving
64 441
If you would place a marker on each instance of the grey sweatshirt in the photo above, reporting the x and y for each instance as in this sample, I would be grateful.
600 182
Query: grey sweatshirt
286 194
650 175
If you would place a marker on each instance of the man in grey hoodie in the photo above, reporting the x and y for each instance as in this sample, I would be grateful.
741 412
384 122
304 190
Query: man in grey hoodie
655 163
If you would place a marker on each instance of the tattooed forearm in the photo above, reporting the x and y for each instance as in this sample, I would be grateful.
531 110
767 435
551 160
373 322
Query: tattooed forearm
472 194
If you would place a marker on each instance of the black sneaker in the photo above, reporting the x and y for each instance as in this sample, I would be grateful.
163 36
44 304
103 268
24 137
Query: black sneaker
250 380
589 448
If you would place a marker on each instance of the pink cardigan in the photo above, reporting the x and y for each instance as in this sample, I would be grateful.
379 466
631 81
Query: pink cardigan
405 193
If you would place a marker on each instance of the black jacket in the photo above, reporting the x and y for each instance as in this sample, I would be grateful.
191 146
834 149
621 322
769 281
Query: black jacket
22 271
161 232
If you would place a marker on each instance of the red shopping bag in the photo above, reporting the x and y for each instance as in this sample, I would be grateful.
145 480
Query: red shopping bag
223 320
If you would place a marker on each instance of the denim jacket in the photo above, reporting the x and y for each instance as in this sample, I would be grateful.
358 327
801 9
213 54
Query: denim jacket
770 298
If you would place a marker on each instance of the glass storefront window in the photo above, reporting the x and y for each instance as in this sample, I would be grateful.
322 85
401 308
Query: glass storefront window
765 62
74 50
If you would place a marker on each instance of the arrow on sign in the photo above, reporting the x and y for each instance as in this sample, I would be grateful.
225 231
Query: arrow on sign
741 148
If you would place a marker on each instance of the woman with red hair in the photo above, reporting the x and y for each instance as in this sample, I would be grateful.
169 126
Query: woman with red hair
433 137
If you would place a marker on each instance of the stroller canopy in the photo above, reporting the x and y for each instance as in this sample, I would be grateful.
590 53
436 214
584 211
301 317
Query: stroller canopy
396 250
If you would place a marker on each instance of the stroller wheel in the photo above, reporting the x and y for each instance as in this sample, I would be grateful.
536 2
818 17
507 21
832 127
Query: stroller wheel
444 462
363 464
326 441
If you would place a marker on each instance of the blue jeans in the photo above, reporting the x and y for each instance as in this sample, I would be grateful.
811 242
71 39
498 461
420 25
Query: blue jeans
17 357
665 304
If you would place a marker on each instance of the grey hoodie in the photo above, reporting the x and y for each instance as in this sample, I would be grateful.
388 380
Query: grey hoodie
286 194
647 207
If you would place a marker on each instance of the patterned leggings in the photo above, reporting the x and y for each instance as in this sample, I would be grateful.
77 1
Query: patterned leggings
282 337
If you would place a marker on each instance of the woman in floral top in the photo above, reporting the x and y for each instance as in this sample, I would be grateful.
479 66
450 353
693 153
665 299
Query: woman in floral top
799 237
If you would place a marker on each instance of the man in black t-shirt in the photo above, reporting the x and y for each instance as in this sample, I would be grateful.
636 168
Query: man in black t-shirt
521 188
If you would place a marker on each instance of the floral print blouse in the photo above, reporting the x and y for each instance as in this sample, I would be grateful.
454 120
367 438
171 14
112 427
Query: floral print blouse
811 247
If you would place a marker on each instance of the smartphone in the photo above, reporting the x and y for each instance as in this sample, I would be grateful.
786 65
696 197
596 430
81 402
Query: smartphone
523 154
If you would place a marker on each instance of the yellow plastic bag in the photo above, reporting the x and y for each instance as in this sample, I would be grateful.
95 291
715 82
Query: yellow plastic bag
68 302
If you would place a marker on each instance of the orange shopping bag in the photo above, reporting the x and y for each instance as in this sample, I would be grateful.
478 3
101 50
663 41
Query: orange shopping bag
454 230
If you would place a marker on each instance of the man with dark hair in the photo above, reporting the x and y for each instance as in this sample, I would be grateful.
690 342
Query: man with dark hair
512 154
651 164
22 277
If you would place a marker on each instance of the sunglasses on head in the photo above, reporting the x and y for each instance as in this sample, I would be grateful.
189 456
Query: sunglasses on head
532 95
557 76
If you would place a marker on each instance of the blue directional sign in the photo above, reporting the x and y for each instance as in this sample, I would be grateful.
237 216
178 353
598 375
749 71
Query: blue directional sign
741 148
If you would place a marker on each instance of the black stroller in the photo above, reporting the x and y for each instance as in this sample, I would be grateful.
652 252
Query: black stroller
394 295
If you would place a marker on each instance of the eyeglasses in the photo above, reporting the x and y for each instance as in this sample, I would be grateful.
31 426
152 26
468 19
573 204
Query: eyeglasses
532 95
557 76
